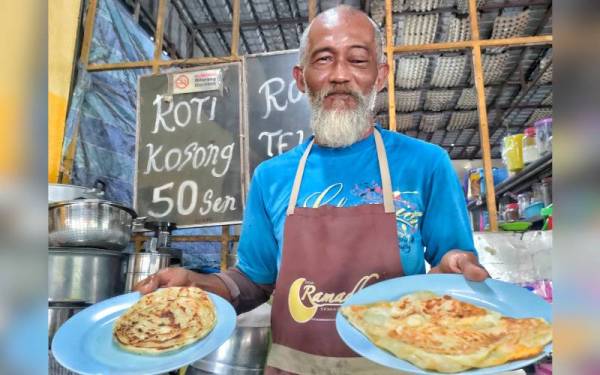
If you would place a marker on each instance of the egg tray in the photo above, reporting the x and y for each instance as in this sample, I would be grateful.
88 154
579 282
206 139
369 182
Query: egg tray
439 100
462 120
411 72
431 122
468 97
416 29
449 71
408 101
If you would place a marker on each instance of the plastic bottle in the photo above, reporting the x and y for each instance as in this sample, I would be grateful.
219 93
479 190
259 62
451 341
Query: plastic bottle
530 149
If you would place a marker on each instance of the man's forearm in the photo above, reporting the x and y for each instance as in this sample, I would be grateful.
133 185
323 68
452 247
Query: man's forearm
244 294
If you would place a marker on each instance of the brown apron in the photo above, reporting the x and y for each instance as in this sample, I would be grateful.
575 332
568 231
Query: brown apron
328 254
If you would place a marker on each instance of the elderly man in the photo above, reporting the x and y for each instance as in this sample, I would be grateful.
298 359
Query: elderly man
352 206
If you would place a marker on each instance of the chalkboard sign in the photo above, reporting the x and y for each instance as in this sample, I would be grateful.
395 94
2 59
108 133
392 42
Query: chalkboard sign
277 113
188 157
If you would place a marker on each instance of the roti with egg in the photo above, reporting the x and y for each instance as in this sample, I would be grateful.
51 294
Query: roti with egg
443 334
165 320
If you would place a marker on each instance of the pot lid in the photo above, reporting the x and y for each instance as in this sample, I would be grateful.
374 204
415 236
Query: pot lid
83 201
84 250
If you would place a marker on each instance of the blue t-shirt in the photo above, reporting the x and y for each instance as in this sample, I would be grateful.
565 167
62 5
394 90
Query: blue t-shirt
430 207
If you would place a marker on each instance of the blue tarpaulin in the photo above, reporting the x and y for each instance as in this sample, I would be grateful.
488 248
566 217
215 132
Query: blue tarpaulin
103 108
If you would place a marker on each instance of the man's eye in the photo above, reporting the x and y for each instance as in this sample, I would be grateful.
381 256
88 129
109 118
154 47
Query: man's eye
324 58
359 61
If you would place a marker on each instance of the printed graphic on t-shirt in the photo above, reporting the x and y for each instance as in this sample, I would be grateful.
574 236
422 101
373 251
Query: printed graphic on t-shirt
406 203
408 211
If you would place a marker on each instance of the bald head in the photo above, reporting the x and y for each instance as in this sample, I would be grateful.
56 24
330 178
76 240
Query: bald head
337 15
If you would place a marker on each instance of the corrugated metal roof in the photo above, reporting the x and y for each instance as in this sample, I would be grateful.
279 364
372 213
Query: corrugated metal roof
435 97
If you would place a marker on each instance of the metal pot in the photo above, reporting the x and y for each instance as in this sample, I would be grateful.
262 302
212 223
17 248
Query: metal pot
245 352
89 223
142 265
60 312
64 192
79 274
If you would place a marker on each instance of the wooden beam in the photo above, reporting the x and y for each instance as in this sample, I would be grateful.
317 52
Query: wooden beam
88 32
225 239
211 26
433 47
483 118
520 41
121 65
389 35
163 63
235 32
158 35
202 238
312 10
66 169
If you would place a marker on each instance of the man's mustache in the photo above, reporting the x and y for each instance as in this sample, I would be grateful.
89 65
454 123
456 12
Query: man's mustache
339 91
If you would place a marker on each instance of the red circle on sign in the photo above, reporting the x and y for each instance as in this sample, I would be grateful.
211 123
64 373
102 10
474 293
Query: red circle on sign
182 82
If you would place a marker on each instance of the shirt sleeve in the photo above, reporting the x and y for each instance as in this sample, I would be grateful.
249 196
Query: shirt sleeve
257 250
445 224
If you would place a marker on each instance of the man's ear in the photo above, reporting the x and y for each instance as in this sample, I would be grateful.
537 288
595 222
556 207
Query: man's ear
298 73
382 75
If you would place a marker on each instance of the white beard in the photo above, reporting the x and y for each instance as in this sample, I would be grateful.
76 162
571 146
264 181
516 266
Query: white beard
341 128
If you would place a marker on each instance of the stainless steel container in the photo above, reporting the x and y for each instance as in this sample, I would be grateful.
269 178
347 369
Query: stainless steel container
89 223
142 265
83 274
245 352
60 312
64 192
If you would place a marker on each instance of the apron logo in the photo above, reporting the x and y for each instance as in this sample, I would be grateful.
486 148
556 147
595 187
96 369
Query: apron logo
304 300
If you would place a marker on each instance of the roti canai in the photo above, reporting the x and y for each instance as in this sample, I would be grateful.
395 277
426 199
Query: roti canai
443 334
165 320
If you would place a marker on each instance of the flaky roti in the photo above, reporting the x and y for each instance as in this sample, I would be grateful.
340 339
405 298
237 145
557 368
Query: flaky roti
165 320
443 334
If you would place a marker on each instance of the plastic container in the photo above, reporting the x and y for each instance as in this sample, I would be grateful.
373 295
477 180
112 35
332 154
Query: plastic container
524 200
533 210
530 148
543 135
537 193
512 152
511 213
547 190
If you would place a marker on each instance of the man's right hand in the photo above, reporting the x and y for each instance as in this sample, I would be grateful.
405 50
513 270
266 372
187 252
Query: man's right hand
181 277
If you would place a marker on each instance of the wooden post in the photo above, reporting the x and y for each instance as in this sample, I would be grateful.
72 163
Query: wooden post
312 10
483 118
225 237
158 35
138 240
389 33
66 169
235 31
88 32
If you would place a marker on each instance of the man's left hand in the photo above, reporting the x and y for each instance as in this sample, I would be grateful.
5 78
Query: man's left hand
464 262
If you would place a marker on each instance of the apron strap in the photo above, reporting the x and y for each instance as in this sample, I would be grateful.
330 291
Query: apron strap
384 170
386 181
298 179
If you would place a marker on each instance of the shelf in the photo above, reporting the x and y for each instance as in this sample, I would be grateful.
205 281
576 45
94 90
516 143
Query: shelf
524 179
519 182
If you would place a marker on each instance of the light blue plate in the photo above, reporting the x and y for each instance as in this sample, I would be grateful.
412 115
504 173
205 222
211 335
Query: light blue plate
84 343
508 299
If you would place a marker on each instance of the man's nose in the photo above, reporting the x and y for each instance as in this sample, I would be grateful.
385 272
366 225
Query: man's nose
340 73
